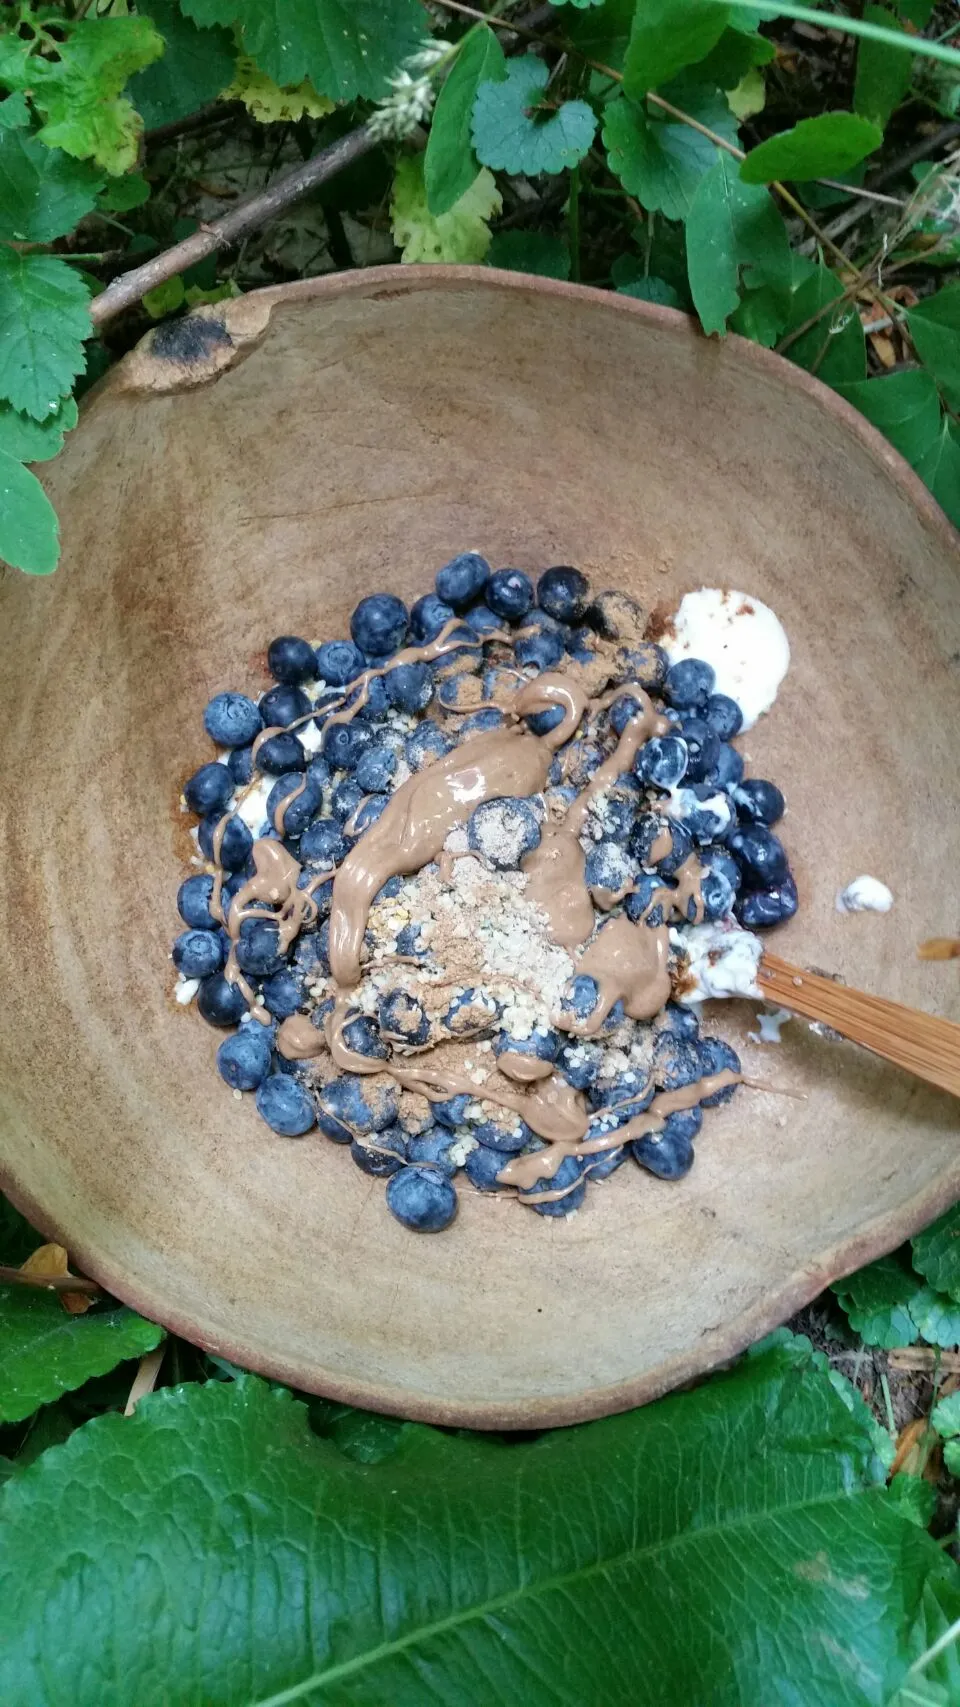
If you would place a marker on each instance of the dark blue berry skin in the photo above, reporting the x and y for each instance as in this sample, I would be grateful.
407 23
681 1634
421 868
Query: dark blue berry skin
723 862
374 769
322 843
543 1045
625 1096
669 1154
760 854
352 1102
451 1111
379 624
198 954
708 822
300 811
724 716
455 691
427 741
243 1060
232 720
621 712
409 687
281 753
193 903
645 664
509 593
580 1063
683 1022
541 722
676 1061
767 906
717 894
339 662
383 1155
609 866
581 996
562 593
291 660
662 762
210 789
422 1199
605 1163
519 822
286 1106
343 744
470 1012
409 943
402 1018
372 808
219 1002
728 768
283 705
345 799
703 748
283 993
428 616
235 843
482 1167
543 649
614 614
479 721
240 765
759 802
432 1149
716 1056
637 904
258 950
361 1035
689 683
481 620
569 1171
619 815
648 828
462 580
505 1133
389 890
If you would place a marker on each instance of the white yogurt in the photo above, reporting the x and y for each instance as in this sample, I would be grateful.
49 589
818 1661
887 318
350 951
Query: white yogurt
724 961
770 1022
865 895
741 638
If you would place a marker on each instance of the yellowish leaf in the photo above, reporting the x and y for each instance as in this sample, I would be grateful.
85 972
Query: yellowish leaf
270 104
749 96
461 234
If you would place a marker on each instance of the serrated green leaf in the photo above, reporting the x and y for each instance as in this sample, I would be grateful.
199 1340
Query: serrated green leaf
651 290
463 234
904 406
667 36
761 316
749 96
736 239
940 470
121 195
165 297
267 102
462 1571
916 1499
834 348
450 164
884 73
662 162
937 1317
539 252
346 47
45 1352
35 441
514 131
79 93
195 68
14 112
42 194
44 319
29 540
936 1253
877 1302
935 329
815 148
945 1416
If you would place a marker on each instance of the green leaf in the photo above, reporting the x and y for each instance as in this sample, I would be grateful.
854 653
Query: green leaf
940 470
652 290
582 4
79 92
14 112
735 239
165 297
877 1302
861 27
733 57
44 1351
35 441
460 1570
42 194
749 97
346 47
602 33
935 329
122 195
834 348
662 162
815 148
29 540
667 36
463 234
904 406
884 73
540 252
936 1253
43 322
945 1416
916 1499
951 1456
196 66
267 102
450 165
513 130
937 1317
761 316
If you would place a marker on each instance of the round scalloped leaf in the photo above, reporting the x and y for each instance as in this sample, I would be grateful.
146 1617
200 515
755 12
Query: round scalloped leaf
516 130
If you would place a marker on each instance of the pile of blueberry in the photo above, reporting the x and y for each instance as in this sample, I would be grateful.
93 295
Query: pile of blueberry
413 713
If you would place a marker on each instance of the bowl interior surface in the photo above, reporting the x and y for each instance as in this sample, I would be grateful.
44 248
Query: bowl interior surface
377 426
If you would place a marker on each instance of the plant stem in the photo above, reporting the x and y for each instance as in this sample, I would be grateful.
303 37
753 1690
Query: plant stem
51 1283
859 27
573 224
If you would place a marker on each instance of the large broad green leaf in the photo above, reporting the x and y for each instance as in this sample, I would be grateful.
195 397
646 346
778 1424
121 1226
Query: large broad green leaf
196 66
662 162
667 36
884 73
79 92
43 321
877 1302
42 193
511 134
733 1545
44 1351
540 252
814 148
736 239
936 1253
29 540
935 329
463 234
834 347
937 1317
450 165
346 47
905 407
34 441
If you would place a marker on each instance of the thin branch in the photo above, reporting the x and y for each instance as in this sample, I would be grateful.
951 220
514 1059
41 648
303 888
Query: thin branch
214 113
51 1283
222 233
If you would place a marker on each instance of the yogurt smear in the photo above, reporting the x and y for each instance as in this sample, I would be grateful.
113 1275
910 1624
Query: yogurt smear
723 961
865 895
741 638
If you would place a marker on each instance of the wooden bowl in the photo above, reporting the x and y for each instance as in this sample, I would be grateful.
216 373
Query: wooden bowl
362 429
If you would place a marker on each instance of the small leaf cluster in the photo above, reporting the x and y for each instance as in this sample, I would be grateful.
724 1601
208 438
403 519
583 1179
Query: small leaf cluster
912 1295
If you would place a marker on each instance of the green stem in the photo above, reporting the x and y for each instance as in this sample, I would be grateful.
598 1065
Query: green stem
858 27
573 224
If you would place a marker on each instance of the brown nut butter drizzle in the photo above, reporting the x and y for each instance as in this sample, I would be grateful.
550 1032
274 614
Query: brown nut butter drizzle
628 960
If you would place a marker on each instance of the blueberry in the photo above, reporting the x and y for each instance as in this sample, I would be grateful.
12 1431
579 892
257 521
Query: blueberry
232 720
361 1035
683 1022
541 722
638 904
703 748
379 624
728 769
723 715
684 1123
283 705
240 765
668 1154
322 843
193 903
281 753
676 1061
649 828
389 890
612 815
343 744
374 769
339 662
286 1106
291 660
689 683
567 1174
662 762
716 1056
428 617
503 1131
503 830
402 1018
235 843
761 856
542 650
409 943
345 799
717 894
759 802
608 866
722 861
372 808
616 615
465 653
243 1060
509 593
258 948
461 580
220 1002
469 1012
543 1044
621 1098
482 621
562 592
482 1167
425 743
478 721
604 1163
322 896
581 996
198 953
383 1155
422 1199
300 810
646 664
580 1063
621 712
767 906
409 687
458 692
451 1111
708 819
283 993
349 1106
210 789
432 1149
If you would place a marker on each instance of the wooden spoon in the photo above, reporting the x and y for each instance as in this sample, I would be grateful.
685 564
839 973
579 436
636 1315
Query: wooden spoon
925 1045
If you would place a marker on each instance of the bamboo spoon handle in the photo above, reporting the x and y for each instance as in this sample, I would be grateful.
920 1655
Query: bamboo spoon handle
923 1044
